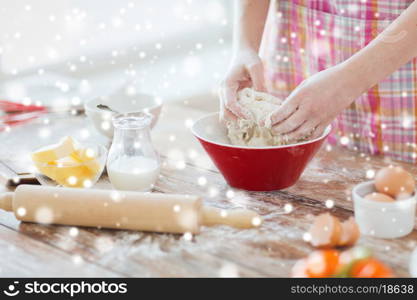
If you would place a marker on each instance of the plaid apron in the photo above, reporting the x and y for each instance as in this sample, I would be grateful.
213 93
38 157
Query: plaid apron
303 37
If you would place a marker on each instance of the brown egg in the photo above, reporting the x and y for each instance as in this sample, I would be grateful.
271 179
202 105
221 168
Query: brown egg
395 182
379 197
325 231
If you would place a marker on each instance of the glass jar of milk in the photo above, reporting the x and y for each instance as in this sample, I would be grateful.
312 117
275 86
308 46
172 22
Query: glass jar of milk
132 164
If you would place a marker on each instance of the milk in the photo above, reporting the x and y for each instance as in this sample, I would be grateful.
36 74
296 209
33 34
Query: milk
133 173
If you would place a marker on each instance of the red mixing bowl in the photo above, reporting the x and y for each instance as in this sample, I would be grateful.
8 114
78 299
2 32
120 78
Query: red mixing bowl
254 168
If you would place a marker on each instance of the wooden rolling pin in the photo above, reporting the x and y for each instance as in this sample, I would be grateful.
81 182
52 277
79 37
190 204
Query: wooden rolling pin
120 210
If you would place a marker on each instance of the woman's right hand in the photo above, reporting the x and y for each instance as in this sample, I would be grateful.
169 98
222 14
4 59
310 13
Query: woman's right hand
246 70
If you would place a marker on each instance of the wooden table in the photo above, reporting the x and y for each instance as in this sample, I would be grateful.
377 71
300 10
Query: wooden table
37 250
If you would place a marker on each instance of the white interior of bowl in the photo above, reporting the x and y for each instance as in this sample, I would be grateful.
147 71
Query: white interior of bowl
210 129
362 189
124 102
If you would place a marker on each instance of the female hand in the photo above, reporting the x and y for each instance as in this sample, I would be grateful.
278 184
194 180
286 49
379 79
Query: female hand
316 102
246 70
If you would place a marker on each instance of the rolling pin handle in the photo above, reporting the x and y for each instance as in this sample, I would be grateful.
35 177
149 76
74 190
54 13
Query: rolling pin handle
6 201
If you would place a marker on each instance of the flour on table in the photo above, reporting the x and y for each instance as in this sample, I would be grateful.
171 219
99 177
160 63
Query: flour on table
248 132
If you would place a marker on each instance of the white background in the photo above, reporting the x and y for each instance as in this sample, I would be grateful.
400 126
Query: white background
174 48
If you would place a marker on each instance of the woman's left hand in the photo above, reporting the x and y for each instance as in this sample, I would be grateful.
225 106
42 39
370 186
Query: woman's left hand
316 102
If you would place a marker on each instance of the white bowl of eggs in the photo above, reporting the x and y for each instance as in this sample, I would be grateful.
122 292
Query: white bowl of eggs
386 206
101 110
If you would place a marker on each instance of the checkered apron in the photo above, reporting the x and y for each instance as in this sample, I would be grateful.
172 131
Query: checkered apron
303 37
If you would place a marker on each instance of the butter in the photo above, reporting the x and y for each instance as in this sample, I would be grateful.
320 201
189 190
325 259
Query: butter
88 158
54 152
66 165
66 172
70 172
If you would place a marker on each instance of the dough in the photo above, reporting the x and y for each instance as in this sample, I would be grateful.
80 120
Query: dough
248 132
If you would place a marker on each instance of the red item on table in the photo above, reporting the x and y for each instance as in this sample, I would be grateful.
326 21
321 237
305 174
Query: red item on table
16 113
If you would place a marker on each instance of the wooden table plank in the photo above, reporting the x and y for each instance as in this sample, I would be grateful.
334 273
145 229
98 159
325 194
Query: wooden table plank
268 251
129 253
26 257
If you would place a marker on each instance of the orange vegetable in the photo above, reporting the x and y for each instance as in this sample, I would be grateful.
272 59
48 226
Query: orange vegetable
348 258
356 262
370 268
354 254
322 263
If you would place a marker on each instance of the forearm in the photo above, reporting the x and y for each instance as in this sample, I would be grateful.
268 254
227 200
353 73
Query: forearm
385 54
250 17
